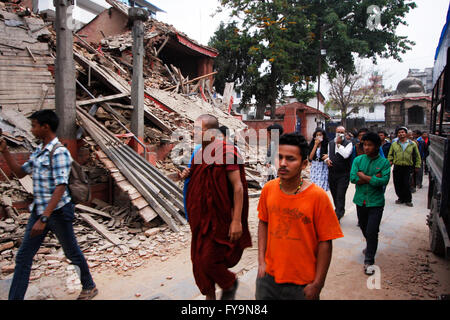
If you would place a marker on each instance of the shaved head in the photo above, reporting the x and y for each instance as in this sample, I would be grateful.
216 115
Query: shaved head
209 121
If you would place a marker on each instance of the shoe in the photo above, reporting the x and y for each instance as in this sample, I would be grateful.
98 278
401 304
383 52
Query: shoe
230 294
368 269
409 204
398 201
88 294
413 190
420 186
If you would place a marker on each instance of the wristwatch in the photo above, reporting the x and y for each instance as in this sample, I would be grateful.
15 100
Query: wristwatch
43 219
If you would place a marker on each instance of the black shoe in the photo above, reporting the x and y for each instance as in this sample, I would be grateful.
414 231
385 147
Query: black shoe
398 201
230 294
409 204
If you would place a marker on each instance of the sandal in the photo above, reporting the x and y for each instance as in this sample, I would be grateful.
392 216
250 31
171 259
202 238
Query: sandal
88 294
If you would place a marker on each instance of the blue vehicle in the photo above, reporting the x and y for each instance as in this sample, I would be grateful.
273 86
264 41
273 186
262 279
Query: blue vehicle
438 160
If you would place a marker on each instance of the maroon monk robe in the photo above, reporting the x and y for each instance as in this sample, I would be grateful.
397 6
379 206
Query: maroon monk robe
209 203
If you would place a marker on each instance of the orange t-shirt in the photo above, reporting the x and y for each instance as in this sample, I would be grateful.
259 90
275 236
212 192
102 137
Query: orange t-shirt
296 225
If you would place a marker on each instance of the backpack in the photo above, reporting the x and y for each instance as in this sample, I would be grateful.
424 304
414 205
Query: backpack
79 188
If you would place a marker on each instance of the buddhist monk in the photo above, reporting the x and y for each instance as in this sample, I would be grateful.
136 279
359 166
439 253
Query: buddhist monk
217 206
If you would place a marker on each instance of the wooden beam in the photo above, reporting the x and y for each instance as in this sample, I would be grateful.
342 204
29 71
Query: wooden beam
102 99
31 54
92 210
193 80
101 229
162 46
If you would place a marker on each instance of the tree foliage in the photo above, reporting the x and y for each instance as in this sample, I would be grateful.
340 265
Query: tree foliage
274 43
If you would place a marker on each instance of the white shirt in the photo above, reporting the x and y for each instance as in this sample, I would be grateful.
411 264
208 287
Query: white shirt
344 151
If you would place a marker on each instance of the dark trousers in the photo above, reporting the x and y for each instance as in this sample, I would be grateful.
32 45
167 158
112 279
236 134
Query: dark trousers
419 175
338 188
60 223
369 221
402 183
268 289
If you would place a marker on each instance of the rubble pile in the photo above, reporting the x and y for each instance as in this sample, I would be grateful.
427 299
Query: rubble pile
119 238
139 243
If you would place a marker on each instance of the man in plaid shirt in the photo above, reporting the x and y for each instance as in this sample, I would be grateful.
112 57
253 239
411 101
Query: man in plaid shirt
52 208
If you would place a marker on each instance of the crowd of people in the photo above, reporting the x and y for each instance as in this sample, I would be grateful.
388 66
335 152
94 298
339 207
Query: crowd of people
365 159
297 221
330 171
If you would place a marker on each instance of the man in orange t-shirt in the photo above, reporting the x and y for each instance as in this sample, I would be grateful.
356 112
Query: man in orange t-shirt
296 225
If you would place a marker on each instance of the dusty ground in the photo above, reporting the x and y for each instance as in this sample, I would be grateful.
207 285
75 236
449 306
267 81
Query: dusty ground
408 270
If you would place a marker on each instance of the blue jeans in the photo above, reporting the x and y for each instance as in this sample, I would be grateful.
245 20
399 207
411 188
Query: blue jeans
60 223
369 221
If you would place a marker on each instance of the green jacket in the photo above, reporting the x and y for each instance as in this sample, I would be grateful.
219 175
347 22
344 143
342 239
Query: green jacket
370 194
405 158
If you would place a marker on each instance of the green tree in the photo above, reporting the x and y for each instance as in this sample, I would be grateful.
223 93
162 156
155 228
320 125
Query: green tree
277 42
233 60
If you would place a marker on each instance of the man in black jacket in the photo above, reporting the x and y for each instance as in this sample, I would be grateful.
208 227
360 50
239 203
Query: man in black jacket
339 165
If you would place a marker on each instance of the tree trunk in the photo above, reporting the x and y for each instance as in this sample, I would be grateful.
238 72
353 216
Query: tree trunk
260 109
273 107
344 116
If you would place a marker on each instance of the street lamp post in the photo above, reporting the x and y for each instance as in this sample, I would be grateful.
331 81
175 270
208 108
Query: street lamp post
322 52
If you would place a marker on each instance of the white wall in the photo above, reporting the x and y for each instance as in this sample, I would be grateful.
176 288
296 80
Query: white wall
377 115
313 103
80 14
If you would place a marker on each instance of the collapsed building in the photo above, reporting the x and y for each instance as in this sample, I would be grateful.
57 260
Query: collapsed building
133 194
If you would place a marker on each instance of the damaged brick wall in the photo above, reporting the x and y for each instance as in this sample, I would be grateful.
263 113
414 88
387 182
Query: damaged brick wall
111 22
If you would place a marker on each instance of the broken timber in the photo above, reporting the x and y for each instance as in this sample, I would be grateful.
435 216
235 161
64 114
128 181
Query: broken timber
101 229
102 99
92 210
162 195
117 84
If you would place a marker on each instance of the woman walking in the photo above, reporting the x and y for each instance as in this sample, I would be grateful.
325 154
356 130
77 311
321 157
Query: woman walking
318 152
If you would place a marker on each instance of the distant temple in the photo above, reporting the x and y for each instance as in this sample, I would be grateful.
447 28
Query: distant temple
409 106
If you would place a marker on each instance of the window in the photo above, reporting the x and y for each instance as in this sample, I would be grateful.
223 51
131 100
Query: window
238 94
371 109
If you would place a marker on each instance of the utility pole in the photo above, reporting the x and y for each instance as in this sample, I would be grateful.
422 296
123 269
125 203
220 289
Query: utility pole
65 86
138 16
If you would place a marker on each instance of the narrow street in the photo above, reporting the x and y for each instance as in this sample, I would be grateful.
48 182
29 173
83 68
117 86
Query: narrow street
408 269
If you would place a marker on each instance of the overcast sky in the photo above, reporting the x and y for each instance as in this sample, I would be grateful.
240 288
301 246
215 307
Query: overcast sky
425 24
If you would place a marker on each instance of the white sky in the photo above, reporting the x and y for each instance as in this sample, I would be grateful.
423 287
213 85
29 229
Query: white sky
425 24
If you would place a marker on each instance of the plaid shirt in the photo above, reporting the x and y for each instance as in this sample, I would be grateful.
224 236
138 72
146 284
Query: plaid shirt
45 179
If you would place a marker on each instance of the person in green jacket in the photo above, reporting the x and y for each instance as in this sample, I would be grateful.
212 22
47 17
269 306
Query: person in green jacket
370 173
404 155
